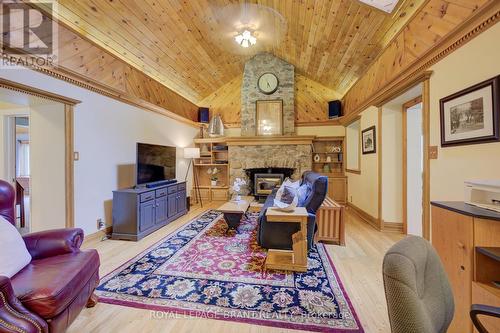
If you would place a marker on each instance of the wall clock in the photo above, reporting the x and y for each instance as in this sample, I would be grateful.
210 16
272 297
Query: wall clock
268 83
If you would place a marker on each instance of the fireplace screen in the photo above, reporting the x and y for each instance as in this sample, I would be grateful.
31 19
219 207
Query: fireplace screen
265 183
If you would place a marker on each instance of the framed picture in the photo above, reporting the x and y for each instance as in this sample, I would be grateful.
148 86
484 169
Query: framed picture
471 116
269 120
368 140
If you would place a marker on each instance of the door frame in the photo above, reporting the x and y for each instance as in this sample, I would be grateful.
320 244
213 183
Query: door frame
405 107
69 104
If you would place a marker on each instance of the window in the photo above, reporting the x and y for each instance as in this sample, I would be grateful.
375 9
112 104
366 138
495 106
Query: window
353 131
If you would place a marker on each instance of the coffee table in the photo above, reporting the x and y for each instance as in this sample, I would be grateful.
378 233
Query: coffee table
234 210
295 260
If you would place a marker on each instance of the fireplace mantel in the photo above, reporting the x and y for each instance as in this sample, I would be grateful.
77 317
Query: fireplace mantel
270 140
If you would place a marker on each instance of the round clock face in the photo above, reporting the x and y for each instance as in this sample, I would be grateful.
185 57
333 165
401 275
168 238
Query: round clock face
268 83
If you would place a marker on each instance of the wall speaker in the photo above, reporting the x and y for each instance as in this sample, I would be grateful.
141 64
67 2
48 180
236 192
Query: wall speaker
334 109
203 115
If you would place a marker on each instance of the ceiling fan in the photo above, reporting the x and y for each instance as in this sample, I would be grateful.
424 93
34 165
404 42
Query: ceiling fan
246 28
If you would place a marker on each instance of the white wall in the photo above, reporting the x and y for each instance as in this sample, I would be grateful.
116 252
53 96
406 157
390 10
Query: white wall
392 163
47 166
473 63
106 132
363 187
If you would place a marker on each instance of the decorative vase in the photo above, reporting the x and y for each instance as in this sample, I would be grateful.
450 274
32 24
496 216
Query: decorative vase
213 182
326 168
216 127
328 159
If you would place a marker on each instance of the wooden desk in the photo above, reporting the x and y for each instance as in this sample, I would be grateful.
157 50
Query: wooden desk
458 230
295 260
234 210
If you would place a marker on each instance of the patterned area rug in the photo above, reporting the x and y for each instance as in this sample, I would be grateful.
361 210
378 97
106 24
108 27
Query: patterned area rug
199 270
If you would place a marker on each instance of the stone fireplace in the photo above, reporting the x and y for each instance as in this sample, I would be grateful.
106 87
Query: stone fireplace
249 152
250 94
295 158
263 180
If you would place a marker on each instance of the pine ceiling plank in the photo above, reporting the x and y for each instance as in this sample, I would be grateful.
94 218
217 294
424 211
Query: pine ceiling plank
172 41
114 42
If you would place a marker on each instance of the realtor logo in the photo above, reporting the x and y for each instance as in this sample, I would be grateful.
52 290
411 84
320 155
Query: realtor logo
28 33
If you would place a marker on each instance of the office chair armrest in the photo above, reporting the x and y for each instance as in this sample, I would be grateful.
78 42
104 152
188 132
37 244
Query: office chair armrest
480 309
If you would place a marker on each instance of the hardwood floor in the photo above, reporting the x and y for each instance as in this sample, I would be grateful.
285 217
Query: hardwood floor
359 265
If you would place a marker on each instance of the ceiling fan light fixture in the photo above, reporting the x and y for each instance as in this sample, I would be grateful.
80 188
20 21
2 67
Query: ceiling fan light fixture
245 39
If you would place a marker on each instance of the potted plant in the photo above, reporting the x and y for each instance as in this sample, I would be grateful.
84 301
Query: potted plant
213 176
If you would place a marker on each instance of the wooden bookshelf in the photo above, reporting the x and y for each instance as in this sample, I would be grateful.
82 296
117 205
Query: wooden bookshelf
213 154
330 151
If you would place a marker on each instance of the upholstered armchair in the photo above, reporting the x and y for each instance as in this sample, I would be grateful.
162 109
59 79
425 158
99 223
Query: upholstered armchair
279 235
49 293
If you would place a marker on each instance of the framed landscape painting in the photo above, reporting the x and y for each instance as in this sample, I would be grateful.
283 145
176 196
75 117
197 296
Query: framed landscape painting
471 116
368 140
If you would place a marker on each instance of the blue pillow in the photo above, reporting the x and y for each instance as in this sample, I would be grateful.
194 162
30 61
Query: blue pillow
303 193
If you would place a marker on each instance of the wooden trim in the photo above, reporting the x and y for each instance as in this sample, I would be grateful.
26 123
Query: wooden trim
94 86
98 234
405 169
379 184
389 92
68 135
372 221
357 172
396 227
328 138
14 86
69 165
270 140
415 73
330 122
426 192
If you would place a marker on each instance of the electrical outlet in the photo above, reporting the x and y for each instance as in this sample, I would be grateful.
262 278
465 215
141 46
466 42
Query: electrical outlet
100 224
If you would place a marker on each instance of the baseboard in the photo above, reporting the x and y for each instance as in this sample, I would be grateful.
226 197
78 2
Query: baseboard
372 221
396 227
99 234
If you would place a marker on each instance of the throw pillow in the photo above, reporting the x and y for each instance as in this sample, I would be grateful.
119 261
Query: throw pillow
303 193
14 255
288 194
290 183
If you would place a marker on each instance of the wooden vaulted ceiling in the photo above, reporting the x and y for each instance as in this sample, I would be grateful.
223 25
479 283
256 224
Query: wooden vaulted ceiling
329 41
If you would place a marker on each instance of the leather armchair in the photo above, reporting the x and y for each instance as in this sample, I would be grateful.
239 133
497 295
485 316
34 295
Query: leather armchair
48 294
279 235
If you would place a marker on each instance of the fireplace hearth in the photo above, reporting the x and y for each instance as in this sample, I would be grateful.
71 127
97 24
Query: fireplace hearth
262 181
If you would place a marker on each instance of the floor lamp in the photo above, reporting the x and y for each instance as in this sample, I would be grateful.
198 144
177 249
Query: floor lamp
193 153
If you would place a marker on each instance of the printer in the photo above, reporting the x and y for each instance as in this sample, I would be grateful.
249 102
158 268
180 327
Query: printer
483 193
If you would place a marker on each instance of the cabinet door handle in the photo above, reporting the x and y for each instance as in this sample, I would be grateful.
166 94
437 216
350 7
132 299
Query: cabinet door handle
461 245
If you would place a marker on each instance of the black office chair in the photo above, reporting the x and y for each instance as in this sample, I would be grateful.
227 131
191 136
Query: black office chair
486 310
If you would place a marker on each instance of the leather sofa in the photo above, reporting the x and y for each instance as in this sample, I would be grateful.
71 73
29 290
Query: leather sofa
49 293
272 235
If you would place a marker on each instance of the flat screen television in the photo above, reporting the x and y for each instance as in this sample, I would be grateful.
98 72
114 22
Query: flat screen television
155 163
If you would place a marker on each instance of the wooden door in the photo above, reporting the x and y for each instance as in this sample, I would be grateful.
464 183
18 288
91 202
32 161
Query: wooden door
337 189
181 201
161 210
172 205
452 237
147 215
